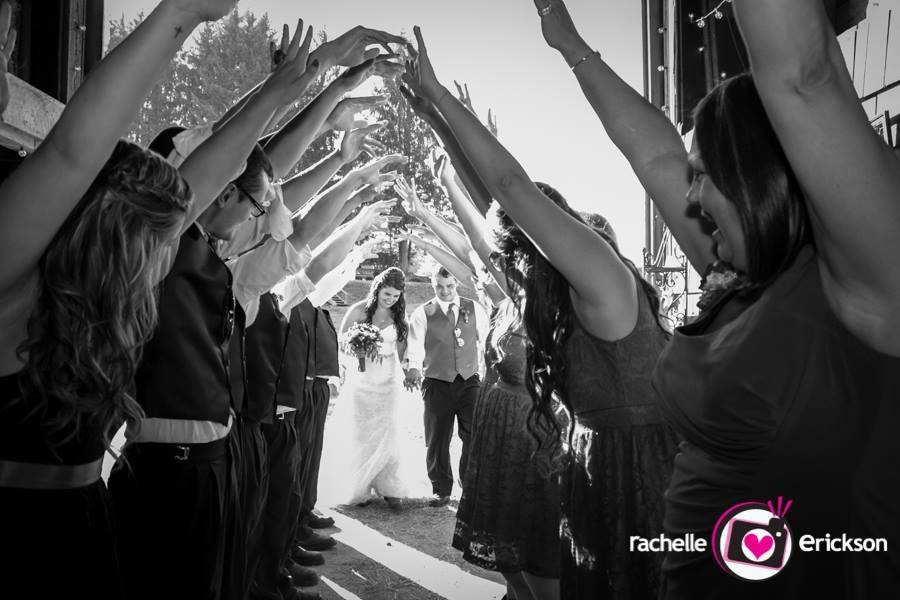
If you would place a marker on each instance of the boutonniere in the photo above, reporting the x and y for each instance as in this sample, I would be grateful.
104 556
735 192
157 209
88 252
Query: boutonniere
464 314
720 278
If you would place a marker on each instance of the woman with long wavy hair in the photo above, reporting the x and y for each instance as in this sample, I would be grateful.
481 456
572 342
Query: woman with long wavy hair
593 338
87 223
786 385
508 516
369 403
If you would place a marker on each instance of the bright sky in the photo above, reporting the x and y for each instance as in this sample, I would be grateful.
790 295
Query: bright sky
496 47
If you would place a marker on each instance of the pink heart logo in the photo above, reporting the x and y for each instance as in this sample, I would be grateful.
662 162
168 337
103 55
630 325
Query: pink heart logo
758 545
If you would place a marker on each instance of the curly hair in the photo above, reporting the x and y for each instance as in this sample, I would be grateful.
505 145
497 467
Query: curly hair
96 304
547 314
390 277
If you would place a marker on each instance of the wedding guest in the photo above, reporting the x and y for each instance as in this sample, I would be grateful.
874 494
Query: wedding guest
87 223
594 335
176 499
508 517
775 162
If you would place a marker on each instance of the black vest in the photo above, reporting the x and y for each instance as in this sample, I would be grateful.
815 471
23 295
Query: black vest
327 361
265 344
184 372
310 315
292 382
237 371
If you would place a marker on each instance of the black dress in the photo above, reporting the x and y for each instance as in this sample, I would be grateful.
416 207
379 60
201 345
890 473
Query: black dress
53 543
620 463
782 400
508 517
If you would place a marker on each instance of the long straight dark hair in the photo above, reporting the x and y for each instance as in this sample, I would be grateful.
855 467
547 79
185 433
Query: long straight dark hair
747 164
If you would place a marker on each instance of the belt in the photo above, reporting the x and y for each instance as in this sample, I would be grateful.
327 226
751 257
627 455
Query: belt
180 452
37 476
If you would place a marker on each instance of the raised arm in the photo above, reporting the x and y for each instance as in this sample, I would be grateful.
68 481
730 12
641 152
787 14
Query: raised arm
604 292
426 110
358 198
851 178
287 145
39 195
7 45
299 189
330 254
325 208
217 161
644 135
449 236
473 223
463 272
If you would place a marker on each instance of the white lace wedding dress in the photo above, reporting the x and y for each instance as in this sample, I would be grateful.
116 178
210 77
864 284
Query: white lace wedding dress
362 436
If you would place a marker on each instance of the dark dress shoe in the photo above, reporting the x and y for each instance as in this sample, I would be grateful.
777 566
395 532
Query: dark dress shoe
317 522
439 501
302 576
317 541
307 558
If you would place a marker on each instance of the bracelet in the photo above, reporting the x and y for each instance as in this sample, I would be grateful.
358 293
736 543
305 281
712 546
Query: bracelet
584 58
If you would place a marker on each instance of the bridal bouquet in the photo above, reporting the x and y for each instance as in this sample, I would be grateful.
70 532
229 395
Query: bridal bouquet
362 340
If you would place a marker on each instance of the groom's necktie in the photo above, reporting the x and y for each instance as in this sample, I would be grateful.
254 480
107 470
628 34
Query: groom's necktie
451 313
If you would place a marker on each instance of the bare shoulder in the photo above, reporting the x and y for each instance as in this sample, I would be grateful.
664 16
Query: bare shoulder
354 315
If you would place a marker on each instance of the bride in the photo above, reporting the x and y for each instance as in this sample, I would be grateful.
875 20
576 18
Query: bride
365 425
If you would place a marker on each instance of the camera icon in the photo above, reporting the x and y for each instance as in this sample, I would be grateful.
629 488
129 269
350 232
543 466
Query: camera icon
752 542
757 543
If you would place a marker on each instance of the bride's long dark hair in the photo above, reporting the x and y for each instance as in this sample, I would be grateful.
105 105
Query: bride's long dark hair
390 277
548 314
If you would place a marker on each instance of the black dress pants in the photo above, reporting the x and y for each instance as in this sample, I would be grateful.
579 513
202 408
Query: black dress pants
169 505
312 433
446 402
282 506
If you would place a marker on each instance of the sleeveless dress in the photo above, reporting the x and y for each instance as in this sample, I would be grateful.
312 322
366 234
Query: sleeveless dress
782 400
53 543
362 438
620 463
508 517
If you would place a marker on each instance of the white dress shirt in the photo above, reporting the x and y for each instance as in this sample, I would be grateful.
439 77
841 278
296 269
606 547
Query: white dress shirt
259 271
418 324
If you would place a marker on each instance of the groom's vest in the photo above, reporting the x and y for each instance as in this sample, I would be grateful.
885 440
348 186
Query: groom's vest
444 357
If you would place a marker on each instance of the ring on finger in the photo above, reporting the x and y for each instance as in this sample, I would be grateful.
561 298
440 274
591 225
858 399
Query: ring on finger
546 10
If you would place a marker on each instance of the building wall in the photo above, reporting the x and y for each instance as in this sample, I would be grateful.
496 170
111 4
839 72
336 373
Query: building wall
872 52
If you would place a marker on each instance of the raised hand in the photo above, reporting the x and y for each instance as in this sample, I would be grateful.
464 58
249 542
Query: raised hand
277 53
464 96
420 75
206 10
369 172
411 203
354 142
349 49
293 75
7 44
559 29
353 77
343 117
388 69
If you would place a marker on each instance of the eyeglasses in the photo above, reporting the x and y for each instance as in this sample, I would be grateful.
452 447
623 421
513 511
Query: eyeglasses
258 209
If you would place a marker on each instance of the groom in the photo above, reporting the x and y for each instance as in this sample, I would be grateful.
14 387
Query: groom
446 342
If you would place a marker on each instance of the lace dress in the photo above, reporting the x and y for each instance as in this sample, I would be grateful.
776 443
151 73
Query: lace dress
620 463
508 517
362 436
